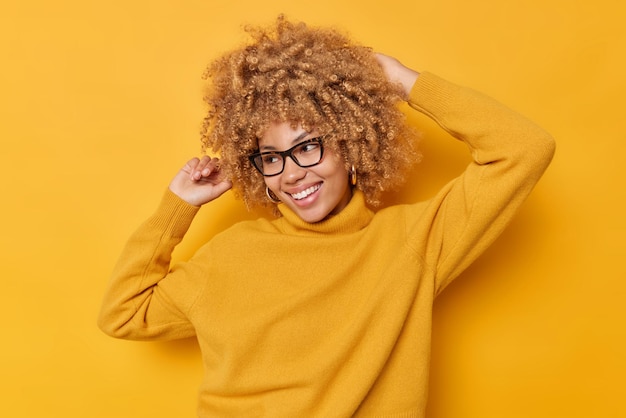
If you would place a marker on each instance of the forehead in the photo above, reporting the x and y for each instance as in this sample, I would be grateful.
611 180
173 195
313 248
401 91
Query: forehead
282 135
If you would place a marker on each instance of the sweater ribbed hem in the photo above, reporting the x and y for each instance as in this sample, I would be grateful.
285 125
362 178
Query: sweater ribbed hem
173 215
431 95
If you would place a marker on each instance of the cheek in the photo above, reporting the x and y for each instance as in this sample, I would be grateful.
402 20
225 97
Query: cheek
333 164
271 182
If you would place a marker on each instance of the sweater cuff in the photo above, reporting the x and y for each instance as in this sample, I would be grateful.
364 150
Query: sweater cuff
432 94
173 215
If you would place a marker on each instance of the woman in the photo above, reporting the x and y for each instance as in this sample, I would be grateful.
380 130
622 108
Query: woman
324 311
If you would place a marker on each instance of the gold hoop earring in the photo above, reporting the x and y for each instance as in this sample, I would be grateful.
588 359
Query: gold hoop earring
271 196
352 175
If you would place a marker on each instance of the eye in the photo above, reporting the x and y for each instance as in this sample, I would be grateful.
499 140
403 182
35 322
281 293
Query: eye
269 159
309 147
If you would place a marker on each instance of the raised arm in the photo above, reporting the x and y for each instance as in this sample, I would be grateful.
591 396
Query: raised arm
135 305
509 153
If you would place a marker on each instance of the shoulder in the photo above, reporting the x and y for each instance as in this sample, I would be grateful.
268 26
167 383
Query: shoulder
237 239
403 215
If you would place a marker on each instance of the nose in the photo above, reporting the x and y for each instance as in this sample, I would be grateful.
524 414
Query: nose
292 171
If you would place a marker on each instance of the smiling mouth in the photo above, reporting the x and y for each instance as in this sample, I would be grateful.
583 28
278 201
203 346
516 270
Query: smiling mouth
306 192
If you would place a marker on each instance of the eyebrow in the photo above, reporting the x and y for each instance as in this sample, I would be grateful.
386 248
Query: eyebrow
297 139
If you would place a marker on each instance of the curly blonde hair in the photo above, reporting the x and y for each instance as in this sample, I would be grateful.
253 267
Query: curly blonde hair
318 79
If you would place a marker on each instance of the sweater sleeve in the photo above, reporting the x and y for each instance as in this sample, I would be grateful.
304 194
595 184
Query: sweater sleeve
509 153
135 306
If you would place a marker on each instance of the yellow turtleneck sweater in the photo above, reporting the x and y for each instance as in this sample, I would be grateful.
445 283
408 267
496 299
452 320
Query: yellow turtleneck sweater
331 319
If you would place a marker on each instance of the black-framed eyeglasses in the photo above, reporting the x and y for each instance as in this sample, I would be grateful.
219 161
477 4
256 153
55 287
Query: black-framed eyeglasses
306 154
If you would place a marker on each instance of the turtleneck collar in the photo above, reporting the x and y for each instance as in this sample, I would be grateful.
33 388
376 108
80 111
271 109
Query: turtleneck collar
354 217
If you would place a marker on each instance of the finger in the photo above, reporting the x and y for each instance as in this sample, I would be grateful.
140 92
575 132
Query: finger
191 164
214 179
214 165
211 167
200 168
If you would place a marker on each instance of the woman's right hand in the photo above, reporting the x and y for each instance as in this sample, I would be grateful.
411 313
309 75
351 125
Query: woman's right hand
200 181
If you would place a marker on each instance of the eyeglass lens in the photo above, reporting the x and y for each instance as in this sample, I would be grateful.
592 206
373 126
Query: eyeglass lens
305 154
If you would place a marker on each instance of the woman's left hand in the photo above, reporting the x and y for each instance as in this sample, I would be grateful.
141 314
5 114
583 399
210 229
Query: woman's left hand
396 72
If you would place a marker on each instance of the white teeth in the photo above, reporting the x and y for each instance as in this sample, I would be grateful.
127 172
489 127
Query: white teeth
304 193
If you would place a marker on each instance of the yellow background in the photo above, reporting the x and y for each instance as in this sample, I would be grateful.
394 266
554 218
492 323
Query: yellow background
101 103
